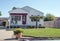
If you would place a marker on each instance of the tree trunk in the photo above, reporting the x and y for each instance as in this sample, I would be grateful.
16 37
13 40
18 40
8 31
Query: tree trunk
36 23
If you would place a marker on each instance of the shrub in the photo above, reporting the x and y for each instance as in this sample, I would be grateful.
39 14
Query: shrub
16 31
28 26
41 27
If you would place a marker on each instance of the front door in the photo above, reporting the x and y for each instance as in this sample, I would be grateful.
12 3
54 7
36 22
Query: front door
23 19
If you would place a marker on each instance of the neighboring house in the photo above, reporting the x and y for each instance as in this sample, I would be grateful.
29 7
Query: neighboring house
21 16
49 23
55 23
4 21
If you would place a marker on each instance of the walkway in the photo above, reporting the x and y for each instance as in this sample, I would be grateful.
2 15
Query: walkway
5 35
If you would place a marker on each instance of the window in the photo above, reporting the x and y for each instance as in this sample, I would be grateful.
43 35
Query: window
19 18
39 25
12 17
16 17
12 20
32 20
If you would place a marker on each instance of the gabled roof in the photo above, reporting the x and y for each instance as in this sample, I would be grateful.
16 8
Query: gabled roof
28 9
18 10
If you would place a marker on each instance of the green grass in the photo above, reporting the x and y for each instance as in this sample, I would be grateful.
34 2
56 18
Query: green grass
42 32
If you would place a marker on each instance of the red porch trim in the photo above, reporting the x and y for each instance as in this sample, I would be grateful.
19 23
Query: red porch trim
18 13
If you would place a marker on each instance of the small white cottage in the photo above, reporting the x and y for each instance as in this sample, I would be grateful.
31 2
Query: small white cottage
21 16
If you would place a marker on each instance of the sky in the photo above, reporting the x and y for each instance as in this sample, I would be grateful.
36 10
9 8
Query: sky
46 6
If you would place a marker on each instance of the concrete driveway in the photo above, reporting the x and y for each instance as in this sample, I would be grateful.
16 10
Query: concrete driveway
5 34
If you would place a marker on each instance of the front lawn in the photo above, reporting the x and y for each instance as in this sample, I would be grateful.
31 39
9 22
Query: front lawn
42 32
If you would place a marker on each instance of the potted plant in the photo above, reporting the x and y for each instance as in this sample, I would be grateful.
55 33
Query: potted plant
18 33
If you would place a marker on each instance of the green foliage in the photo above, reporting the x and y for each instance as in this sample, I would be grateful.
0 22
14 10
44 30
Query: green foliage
36 17
16 31
13 8
49 17
0 13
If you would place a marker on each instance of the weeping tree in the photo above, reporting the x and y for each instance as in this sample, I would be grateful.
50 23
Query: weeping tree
35 19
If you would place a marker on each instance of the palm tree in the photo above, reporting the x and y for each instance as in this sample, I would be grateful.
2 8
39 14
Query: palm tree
36 19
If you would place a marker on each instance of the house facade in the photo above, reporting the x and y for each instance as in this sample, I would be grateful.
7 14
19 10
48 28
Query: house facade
57 22
4 21
21 17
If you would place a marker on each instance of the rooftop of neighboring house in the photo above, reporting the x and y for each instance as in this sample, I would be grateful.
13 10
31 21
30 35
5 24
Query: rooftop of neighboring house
4 18
57 18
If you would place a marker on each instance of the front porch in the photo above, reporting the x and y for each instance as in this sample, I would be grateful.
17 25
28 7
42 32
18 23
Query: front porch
17 20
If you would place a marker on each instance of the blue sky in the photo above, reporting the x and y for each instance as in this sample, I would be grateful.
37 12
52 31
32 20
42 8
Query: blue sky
46 6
